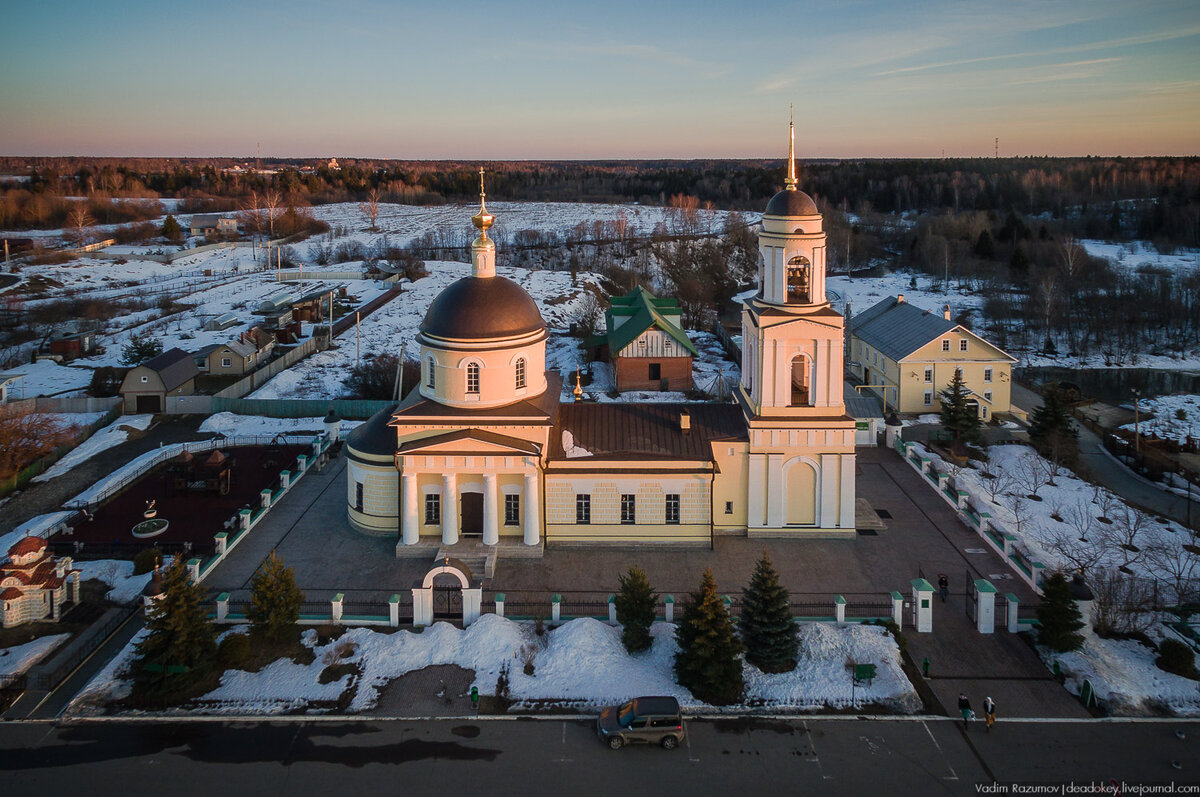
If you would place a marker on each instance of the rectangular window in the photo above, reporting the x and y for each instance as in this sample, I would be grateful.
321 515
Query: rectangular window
655 372
628 509
358 496
583 508
512 510
987 395
672 508
473 378
946 345
962 345
433 509
929 375
987 374
985 413
928 398
729 507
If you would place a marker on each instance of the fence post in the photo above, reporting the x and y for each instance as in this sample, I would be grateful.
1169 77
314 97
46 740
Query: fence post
612 609
244 518
555 607
1038 569
963 495
669 608
394 611
285 479
727 602
336 607
942 480
898 609
1014 613
265 498
499 604
222 607
193 568
839 609
220 539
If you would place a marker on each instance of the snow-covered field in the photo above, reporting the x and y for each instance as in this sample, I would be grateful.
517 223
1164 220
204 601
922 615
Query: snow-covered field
1166 422
112 435
580 664
1133 255
48 378
18 659
227 423
864 293
124 586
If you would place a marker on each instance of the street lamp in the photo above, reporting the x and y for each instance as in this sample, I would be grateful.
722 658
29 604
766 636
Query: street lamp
1137 434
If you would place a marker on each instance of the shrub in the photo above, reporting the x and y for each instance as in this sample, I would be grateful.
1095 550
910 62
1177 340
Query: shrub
140 349
1176 657
234 650
145 560
635 609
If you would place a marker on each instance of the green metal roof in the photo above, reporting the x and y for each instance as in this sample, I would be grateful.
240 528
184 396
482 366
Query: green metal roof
645 311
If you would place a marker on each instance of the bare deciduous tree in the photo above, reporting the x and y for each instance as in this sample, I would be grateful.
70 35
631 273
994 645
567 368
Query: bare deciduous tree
273 206
81 221
1126 532
1084 554
370 207
996 485
24 437
1032 475
1174 557
1122 604
1079 517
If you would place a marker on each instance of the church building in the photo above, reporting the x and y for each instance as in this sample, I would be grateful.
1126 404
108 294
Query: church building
484 448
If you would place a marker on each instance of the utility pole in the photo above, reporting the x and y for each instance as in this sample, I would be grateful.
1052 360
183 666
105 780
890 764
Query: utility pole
996 145
1137 433
358 336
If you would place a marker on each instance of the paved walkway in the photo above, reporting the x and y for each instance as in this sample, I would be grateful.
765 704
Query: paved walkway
1097 465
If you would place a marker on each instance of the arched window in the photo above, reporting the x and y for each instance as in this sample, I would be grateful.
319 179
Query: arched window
430 381
520 373
801 384
799 281
473 378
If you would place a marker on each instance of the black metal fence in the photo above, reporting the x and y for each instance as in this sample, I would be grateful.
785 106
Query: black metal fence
96 636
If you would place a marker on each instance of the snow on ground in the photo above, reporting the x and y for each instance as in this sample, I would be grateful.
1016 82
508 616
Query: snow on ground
1165 422
1124 676
112 435
227 423
48 378
71 420
397 322
118 575
1134 255
16 660
581 663
39 526
109 684
864 293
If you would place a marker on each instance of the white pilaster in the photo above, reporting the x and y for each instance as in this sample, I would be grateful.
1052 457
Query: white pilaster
472 600
846 493
491 524
410 528
756 483
422 606
533 532
775 492
449 509
827 483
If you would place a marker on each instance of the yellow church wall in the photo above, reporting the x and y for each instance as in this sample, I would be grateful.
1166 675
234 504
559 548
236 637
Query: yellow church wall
729 488
650 493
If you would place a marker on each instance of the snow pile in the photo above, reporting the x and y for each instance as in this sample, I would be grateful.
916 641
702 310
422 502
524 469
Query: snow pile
40 526
229 424
282 685
1125 678
125 587
1166 422
107 685
110 436
16 660
821 677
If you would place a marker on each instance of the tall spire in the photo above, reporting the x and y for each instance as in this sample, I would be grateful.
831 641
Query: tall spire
791 181
483 220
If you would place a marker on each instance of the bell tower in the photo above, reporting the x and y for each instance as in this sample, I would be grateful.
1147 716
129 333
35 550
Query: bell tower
801 452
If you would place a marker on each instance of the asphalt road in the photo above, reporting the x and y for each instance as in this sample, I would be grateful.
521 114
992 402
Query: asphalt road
534 757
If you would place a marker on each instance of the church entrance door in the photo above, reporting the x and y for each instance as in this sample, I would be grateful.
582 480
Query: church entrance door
472 515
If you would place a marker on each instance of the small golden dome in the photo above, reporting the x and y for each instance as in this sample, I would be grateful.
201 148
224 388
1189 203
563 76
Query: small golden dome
483 220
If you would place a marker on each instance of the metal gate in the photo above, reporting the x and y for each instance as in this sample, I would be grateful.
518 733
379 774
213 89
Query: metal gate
971 598
447 603
1001 612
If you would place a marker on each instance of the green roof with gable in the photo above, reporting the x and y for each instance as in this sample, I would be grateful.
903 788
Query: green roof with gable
644 311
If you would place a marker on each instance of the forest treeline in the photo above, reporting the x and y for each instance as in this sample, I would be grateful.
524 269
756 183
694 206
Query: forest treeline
1149 198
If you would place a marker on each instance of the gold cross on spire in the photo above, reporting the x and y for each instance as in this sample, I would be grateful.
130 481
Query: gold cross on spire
483 220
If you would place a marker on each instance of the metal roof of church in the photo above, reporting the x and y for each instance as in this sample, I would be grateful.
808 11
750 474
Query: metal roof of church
648 430
897 328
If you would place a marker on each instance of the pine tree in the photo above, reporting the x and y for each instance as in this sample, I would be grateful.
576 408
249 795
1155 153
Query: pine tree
957 416
1059 616
171 230
274 600
766 625
1051 430
635 609
180 634
707 662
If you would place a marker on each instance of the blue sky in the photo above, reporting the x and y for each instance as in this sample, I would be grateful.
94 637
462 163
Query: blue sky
368 78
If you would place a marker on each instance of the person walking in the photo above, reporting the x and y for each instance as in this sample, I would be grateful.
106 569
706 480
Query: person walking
964 707
943 586
989 712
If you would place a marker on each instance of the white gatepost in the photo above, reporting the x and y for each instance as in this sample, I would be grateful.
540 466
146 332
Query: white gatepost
422 606
839 609
669 608
1014 613
285 479
612 609
264 498
922 592
222 607
985 606
335 607
220 540
499 604
555 607
193 568
898 609
244 518
394 611
472 600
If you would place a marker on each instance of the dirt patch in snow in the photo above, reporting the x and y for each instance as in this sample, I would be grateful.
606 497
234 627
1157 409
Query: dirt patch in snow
439 690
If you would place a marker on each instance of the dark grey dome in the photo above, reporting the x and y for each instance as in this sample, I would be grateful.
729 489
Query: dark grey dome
791 203
374 436
482 307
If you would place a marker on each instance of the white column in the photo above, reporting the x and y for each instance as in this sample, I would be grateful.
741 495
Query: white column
533 532
449 509
775 496
491 524
756 484
827 483
410 528
846 511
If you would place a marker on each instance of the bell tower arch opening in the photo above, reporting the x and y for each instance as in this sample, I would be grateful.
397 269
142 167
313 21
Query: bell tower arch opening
801 381
799 280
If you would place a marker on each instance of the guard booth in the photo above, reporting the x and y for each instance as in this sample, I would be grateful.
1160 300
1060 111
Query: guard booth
980 604
922 598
